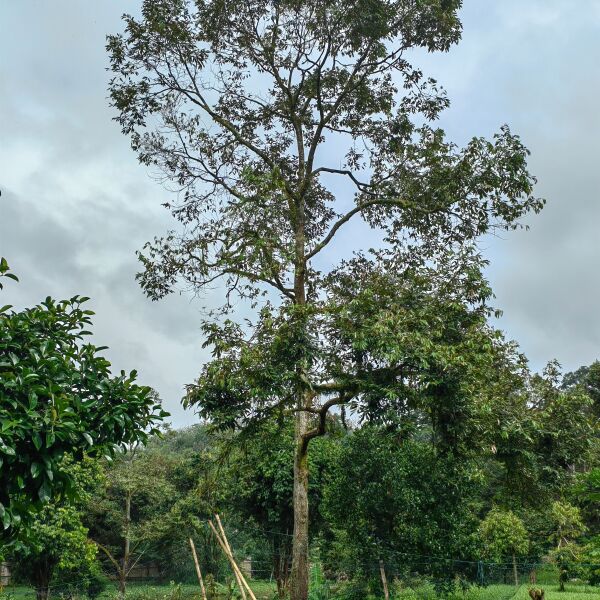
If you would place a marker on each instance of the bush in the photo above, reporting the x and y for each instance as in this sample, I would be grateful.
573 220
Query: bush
97 583
356 589
86 580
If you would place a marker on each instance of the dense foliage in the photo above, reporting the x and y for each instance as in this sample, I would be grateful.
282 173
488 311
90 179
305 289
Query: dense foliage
380 492
58 397
54 545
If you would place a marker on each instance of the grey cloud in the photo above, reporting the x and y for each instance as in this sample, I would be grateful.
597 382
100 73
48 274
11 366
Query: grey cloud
76 205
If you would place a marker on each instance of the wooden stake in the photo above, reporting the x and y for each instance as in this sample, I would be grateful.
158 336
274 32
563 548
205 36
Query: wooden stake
222 538
200 580
234 567
386 591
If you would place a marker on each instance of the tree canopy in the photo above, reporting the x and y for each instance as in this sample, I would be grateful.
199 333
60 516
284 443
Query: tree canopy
279 123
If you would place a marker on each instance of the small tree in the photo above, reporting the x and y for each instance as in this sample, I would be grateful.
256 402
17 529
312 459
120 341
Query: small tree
136 490
55 539
58 397
503 536
567 527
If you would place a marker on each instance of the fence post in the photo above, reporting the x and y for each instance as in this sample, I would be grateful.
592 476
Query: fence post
386 591
480 573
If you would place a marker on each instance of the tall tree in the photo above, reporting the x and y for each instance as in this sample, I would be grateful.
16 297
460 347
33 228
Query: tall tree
279 123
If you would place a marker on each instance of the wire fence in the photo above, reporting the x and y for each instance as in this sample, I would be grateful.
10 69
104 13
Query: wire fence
389 573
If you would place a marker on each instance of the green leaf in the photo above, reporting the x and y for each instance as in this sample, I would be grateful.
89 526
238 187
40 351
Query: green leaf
44 493
50 438
37 440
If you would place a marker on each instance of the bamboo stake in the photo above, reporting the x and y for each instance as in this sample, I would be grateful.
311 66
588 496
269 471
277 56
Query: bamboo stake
386 591
227 549
241 575
224 537
231 560
200 580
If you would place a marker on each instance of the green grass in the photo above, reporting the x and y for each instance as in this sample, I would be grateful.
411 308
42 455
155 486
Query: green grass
572 592
265 590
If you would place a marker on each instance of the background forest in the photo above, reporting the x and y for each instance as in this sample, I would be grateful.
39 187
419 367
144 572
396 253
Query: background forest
435 505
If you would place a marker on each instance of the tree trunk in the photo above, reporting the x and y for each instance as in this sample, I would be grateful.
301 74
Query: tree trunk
562 577
515 572
299 575
126 546
41 574
281 568
42 593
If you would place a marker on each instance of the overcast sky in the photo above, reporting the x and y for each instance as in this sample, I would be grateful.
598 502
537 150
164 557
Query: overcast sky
76 206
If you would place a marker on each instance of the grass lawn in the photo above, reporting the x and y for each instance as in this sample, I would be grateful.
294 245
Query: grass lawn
572 592
265 590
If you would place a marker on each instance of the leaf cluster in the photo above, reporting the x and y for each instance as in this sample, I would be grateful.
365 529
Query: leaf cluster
58 397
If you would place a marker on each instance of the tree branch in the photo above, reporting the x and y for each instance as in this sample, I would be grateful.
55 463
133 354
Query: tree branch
112 559
343 220
320 429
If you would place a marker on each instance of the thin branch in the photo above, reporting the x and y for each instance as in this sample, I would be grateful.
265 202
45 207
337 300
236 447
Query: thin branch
359 184
112 559
343 220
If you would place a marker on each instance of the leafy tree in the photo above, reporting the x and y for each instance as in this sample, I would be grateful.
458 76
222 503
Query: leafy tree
397 500
586 492
55 540
58 397
137 488
567 527
542 436
591 557
588 378
190 468
503 535
280 122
